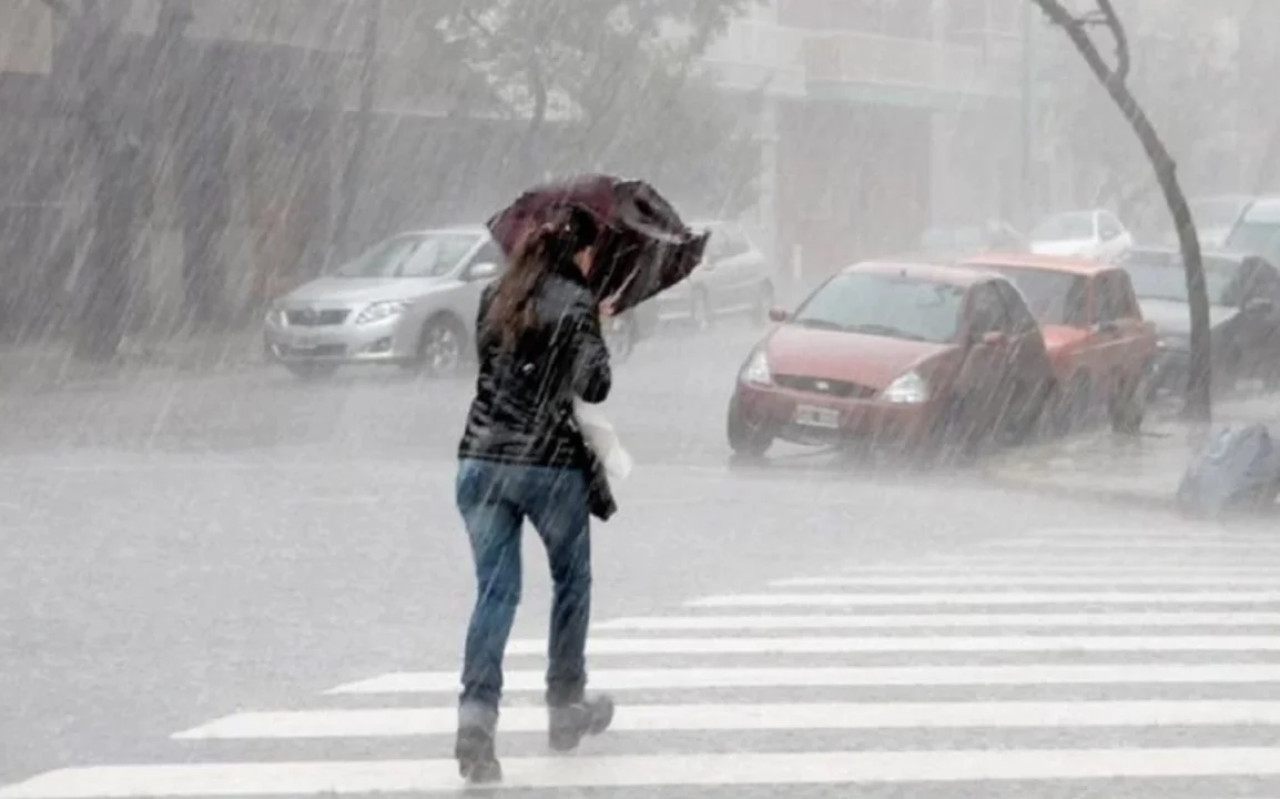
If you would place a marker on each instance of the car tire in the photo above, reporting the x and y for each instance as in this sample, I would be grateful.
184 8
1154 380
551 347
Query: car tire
700 316
764 304
441 348
311 372
747 439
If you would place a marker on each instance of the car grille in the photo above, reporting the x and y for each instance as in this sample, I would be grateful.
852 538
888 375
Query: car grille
833 388
310 318
321 351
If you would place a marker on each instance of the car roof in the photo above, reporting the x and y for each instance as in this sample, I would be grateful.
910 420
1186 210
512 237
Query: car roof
1175 254
1086 267
1268 207
923 272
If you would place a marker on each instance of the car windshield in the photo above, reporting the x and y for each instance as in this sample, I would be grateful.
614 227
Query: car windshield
411 255
1078 225
1216 213
885 305
1054 298
1163 279
1256 238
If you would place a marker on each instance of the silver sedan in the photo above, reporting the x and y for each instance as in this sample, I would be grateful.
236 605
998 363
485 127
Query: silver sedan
409 301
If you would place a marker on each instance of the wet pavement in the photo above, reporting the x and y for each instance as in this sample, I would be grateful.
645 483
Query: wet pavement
242 584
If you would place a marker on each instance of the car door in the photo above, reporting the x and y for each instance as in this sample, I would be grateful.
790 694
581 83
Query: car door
1116 337
983 376
483 266
1027 363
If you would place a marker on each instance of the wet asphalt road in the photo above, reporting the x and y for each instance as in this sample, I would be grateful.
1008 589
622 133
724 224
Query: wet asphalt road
177 550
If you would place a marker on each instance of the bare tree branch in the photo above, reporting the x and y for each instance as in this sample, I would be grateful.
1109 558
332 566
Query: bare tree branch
1112 19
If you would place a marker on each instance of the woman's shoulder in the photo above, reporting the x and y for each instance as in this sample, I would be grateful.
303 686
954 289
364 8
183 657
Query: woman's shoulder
567 294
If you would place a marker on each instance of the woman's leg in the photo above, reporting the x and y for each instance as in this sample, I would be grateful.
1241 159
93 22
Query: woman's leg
493 526
559 511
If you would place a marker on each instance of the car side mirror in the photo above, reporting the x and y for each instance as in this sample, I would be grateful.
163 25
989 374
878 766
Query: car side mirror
1108 327
482 271
1260 306
778 315
994 338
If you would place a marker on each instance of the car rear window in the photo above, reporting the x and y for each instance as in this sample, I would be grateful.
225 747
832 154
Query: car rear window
893 306
1164 279
1054 298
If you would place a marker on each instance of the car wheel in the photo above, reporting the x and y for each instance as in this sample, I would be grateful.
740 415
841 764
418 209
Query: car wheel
440 348
700 310
312 371
1126 406
747 439
763 304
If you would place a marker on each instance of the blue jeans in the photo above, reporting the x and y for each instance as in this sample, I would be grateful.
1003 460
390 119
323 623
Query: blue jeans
494 499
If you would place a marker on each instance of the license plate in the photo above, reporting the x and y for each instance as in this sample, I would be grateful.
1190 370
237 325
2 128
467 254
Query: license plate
810 416
305 343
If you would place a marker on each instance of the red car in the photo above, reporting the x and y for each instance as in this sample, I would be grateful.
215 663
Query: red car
1099 344
907 355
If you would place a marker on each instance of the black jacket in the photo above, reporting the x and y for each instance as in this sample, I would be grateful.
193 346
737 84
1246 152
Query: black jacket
523 408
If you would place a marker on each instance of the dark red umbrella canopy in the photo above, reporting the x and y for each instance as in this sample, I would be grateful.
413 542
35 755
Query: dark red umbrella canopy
644 248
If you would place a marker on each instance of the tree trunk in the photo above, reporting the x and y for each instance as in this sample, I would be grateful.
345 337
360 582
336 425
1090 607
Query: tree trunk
354 171
1198 400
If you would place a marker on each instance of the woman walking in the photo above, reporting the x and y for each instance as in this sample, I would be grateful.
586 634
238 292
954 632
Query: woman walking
539 345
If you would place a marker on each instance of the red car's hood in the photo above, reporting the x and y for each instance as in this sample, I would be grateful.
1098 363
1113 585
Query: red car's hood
874 361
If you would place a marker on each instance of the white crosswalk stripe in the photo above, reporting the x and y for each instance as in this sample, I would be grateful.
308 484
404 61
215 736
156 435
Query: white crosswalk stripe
1057 656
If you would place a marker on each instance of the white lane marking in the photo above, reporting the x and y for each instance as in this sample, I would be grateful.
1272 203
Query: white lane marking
1005 581
529 680
1123 545
983 598
833 645
398 722
893 621
748 768
1004 567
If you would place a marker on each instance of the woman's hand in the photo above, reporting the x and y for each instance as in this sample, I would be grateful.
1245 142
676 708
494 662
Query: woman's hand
608 308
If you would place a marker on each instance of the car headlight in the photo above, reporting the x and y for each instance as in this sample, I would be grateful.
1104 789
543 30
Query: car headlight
381 310
756 371
909 389
277 317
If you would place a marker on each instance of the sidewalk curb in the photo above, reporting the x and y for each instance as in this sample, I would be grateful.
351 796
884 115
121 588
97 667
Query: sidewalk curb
1014 479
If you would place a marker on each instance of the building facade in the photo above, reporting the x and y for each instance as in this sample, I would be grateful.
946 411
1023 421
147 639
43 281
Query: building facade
883 118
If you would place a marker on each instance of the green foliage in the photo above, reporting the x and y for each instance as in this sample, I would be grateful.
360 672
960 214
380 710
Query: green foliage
613 85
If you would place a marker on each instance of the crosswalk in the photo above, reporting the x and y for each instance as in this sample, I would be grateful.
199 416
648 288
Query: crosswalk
1058 661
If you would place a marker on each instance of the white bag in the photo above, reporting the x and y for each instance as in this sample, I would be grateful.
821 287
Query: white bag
603 439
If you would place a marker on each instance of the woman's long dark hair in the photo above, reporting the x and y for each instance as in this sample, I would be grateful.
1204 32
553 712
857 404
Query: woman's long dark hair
566 231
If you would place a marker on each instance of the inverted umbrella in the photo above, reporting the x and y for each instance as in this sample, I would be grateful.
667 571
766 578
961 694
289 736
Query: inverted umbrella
644 247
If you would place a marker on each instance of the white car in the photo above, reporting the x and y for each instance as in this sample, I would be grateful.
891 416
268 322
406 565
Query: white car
1088 234
409 300
734 278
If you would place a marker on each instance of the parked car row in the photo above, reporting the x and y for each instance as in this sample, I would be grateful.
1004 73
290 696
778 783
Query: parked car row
931 358
411 301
